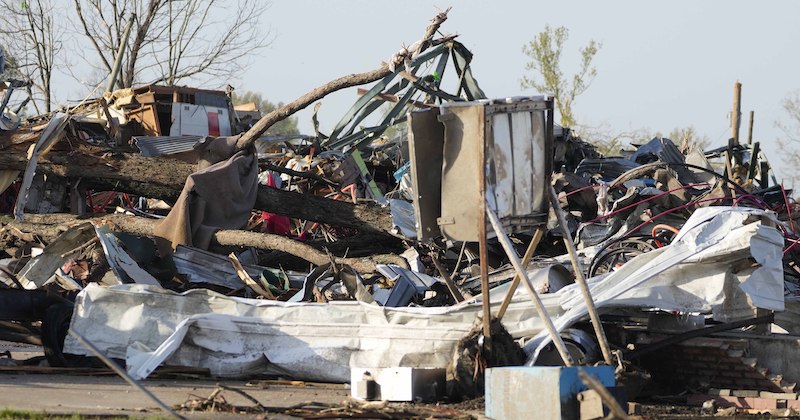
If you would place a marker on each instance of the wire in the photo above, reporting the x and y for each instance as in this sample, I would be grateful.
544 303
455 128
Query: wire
617 211
665 227
672 210
620 179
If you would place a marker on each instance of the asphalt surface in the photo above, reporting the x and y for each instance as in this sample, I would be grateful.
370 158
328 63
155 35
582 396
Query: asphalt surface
108 395
25 388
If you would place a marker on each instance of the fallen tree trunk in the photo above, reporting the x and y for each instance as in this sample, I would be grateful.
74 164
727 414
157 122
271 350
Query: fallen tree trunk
48 226
161 177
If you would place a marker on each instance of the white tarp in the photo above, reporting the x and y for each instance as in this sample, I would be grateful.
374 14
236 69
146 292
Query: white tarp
726 261
709 268
235 337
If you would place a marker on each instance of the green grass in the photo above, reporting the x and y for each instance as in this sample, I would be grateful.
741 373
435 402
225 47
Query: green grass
10 414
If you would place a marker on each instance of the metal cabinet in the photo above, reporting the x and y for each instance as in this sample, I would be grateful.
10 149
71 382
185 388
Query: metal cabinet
463 151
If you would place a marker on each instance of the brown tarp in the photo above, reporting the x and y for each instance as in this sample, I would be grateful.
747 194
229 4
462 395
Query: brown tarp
220 196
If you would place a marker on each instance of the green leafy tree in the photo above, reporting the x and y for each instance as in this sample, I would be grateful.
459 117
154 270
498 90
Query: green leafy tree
283 127
544 52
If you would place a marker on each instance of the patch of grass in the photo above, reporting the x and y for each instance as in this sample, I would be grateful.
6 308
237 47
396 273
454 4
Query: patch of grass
11 414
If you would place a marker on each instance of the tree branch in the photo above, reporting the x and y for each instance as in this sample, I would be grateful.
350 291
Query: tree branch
248 138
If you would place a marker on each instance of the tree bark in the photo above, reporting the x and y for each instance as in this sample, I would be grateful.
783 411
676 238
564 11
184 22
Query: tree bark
163 177
49 226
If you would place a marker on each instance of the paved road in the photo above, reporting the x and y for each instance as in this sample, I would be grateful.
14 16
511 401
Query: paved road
98 392
109 394
67 394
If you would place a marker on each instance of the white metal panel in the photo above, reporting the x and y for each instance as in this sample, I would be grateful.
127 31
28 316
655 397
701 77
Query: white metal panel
522 135
538 159
503 165
189 119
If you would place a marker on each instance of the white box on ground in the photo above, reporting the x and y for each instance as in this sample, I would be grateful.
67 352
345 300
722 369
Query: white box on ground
397 383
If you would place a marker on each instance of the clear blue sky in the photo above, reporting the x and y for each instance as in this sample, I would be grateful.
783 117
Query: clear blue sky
662 65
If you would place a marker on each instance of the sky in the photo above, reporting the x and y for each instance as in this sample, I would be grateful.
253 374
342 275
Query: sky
662 65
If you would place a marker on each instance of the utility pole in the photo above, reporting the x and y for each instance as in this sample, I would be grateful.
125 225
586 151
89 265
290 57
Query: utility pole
737 99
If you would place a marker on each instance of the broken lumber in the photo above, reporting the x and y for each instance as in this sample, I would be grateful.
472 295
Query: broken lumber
53 224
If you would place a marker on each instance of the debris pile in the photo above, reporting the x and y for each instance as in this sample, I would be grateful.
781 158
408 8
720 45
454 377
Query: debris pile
184 241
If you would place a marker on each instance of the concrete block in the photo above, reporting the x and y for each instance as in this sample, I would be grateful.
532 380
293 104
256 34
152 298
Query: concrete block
541 392
741 402
635 409
591 405
397 384
765 403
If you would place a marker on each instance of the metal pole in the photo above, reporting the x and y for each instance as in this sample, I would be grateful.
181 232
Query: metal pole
537 302
110 363
537 236
750 128
118 59
451 285
587 296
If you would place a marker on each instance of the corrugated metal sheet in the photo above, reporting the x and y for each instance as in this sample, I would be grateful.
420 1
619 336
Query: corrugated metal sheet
152 146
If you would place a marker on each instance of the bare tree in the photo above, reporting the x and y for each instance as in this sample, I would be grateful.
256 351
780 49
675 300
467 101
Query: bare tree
265 106
688 139
789 144
172 40
610 141
32 37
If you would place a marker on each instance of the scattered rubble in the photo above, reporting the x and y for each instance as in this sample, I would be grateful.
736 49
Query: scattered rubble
147 222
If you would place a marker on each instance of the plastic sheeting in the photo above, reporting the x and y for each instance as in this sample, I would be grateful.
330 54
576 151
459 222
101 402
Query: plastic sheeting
238 337
709 268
